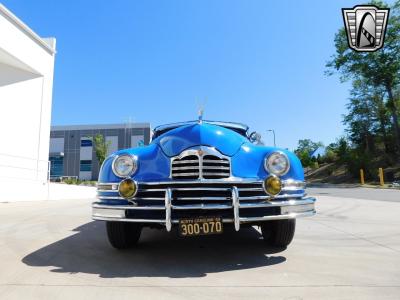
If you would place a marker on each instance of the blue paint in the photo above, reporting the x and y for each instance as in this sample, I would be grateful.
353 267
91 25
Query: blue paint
247 159
225 140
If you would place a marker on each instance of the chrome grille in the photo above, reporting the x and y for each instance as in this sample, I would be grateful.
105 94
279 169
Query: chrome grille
197 193
186 167
200 163
215 167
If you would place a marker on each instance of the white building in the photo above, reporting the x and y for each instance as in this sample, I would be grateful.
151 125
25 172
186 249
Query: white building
26 82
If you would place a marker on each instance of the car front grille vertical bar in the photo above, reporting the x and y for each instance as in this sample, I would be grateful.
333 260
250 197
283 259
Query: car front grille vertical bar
168 205
236 205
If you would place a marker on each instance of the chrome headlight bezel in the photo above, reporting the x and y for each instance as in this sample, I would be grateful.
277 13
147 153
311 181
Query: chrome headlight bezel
268 163
133 168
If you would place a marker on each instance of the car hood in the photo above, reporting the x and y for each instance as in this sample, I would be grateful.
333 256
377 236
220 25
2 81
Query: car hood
227 141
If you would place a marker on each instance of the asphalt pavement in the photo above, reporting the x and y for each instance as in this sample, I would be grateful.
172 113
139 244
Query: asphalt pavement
349 250
379 194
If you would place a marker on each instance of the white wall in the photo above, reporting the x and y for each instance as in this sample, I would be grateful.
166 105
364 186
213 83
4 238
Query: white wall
26 81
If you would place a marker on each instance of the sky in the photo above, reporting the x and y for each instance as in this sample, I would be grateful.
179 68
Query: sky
260 63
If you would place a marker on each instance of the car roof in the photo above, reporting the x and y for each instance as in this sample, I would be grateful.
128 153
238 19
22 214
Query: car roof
238 127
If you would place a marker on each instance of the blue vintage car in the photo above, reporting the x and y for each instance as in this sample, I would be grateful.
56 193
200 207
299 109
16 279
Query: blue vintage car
198 178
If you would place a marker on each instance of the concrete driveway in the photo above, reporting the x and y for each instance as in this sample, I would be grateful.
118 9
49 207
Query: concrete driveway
52 250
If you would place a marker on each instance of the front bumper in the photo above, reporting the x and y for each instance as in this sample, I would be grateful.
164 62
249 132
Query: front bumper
237 212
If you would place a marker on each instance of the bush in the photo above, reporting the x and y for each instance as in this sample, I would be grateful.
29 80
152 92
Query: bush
356 160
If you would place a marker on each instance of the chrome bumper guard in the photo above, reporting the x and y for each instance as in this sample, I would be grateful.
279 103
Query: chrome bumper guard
290 208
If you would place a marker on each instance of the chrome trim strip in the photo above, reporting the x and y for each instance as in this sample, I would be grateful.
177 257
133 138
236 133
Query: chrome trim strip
210 161
148 198
186 174
215 168
202 206
215 174
278 217
182 162
230 180
202 198
111 198
235 204
266 197
279 203
106 191
250 189
249 198
242 220
168 199
185 168
303 201
200 189
128 207
104 218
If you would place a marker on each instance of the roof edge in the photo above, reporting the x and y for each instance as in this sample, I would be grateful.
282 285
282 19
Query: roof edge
26 29
99 126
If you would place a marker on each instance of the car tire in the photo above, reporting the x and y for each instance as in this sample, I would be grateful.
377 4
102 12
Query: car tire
123 235
278 233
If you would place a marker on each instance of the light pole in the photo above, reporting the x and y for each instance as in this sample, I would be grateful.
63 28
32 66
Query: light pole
273 132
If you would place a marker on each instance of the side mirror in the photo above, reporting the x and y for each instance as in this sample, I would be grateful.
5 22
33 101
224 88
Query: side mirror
255 137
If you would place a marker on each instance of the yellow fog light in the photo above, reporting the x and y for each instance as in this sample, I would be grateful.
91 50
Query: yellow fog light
272 185
127 188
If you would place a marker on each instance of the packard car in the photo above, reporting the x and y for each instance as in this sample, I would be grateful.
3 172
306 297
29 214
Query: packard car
199 178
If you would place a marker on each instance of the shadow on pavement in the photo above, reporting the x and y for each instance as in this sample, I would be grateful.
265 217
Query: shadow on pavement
158 254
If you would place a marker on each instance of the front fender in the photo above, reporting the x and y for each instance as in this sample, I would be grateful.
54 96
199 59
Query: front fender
248 162
153 165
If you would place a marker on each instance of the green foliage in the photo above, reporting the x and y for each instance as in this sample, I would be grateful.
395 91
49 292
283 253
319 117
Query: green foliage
375 77
304 150
77 181
101 147
373 111
330 156
357 160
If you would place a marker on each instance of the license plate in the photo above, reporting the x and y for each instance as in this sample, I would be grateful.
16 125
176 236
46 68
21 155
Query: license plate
200 226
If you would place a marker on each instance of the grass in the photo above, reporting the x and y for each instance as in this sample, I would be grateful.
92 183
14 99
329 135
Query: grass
79 182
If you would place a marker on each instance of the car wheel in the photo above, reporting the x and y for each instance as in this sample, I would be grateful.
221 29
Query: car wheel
278 233
123 235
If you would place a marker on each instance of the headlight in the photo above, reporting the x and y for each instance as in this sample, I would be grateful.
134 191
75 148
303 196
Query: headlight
124 165
277 163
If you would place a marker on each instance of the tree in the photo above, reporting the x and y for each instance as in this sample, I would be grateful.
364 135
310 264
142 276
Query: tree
378 69
304 150
101 147
361 118
307 145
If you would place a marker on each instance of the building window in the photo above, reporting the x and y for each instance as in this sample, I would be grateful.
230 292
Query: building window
85 166
56 166
86 143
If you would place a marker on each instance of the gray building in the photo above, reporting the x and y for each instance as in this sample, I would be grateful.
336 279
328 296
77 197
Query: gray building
72 151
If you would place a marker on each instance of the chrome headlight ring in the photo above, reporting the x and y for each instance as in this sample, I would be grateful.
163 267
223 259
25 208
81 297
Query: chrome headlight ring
277 163
124 165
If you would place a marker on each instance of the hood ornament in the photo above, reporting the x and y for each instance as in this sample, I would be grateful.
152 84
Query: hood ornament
201 112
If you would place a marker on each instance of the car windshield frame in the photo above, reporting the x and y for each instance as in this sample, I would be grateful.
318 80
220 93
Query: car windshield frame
240 128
